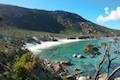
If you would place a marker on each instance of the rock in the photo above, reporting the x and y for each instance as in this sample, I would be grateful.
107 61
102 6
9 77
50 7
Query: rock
57 67
65 62
117 78
71 77
7 74
89 77
81 56
103 77
82 78
91 56
35 38
77 69
74 55
62 73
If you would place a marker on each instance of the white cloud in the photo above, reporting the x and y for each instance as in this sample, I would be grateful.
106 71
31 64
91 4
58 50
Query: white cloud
106 9
113 15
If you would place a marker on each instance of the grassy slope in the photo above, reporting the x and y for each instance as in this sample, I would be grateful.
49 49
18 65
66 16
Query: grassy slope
22 33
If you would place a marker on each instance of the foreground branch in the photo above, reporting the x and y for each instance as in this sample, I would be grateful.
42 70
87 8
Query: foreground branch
101 64
109 63
117 69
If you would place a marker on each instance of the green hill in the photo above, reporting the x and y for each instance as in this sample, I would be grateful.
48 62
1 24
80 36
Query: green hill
47 21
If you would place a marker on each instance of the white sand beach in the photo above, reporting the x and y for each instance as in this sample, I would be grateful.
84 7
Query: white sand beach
48 44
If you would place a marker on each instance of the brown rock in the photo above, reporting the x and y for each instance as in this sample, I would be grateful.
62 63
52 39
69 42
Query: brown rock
65 62
57 67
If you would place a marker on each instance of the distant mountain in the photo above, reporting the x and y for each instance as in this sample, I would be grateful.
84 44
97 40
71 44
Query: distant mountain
47 21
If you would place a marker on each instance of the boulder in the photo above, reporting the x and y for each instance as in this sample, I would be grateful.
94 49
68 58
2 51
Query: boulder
57 67
77 69
104 76
74 55
117 78
81 56
71 77
82 78
65 62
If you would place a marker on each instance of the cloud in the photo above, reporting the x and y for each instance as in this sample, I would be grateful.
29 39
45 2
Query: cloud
106 9
113 15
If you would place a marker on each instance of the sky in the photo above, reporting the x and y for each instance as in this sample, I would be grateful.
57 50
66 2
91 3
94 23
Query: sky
103 12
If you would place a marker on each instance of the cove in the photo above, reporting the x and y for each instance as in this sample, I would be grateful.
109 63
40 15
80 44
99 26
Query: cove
65 52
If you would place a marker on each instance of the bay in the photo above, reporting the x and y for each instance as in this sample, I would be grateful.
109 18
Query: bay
65 52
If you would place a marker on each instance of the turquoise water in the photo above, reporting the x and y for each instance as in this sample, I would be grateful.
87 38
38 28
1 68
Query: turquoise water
64 52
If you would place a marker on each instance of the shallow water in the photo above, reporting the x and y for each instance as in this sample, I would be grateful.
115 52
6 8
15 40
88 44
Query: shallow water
65 52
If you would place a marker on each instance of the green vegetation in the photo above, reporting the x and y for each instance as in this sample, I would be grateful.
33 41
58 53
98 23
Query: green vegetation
24 34
23 65
22 62
21 33
40 23
17 64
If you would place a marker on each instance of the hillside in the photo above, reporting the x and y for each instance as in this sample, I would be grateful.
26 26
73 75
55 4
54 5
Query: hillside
47 21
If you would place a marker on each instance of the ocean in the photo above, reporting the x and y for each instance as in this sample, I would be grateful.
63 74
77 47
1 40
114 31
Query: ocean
87 65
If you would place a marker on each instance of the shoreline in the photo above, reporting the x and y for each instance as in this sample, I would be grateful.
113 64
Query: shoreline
44 45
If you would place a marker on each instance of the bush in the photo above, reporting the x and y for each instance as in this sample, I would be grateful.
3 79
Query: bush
23 67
